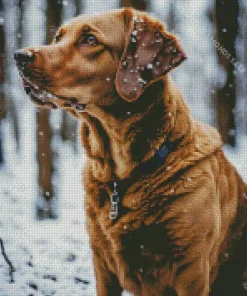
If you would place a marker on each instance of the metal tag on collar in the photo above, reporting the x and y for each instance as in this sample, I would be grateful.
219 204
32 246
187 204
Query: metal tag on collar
114 203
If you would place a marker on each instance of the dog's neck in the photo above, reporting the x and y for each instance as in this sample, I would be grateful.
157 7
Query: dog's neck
118 138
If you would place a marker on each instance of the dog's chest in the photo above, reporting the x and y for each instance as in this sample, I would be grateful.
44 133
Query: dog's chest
137 243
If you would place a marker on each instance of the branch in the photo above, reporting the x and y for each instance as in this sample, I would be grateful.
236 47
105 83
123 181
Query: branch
11 267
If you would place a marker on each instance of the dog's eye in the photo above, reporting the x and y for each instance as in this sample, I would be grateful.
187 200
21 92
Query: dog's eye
89 40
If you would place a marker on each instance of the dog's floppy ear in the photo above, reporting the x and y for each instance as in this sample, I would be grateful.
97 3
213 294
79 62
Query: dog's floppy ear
149 53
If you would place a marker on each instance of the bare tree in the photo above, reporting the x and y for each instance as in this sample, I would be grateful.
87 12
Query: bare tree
46 208
138 4
241 76
79 6
2 100
69 124
11 28
226 19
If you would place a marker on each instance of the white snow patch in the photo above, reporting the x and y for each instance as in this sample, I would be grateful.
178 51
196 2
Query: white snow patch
53 256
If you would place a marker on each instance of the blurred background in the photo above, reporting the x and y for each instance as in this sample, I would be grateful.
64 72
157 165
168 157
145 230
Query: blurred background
42 217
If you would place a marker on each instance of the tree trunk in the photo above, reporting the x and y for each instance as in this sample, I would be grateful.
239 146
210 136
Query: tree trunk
226 19
79 6
241 76
69 124
11 12
138 4
46 207
2 103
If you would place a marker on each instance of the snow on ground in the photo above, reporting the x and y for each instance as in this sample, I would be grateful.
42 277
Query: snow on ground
51 257
54 257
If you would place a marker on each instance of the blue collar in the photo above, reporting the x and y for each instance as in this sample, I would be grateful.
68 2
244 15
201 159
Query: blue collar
145 168
159 157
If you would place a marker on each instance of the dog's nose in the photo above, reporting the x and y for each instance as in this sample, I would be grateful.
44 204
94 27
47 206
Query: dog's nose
23 57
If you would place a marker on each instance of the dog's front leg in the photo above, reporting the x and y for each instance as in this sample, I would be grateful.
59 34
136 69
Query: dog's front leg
194 279
107 283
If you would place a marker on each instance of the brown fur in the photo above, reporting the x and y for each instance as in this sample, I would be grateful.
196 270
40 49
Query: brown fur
180 230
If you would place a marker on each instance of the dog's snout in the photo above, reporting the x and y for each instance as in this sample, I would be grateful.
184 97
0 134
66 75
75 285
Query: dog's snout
23 57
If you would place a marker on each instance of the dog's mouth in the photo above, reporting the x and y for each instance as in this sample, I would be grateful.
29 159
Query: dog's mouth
38 95
46 99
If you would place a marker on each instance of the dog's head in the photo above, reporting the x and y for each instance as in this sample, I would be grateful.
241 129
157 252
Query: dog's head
94 59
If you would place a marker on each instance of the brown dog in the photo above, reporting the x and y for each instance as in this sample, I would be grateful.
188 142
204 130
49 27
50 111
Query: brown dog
166 211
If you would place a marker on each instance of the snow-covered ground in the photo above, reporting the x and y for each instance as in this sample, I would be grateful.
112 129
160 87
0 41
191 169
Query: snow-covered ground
54 257
50 257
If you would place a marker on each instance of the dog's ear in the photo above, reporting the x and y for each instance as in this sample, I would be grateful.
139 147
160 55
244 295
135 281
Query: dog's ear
149 53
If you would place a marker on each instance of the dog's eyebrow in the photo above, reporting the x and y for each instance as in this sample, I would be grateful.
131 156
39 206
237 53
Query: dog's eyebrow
91 29
86 29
